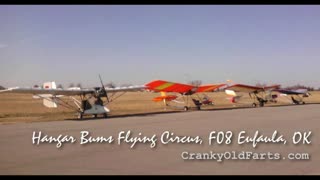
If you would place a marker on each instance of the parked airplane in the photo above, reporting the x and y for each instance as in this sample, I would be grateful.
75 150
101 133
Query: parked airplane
90 103
300 94
259 95
183 91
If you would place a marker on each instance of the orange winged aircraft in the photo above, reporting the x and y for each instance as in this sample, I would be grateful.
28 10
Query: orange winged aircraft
259 95
184 91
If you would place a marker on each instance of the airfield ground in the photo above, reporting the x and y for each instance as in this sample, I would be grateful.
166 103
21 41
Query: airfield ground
20 116
23 108
19 156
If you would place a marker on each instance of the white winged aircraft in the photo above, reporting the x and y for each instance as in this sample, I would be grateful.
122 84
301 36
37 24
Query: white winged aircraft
90 103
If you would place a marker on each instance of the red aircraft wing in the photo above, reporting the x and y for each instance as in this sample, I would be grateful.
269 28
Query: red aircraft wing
166 86
244 88
209 88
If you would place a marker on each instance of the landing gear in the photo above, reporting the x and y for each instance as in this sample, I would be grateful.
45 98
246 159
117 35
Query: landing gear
254 105
185 108
95 115
261 104
199 108
80 115
303 102
105 115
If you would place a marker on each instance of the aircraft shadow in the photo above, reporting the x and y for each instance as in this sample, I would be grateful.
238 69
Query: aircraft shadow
125 115
181 111
249 107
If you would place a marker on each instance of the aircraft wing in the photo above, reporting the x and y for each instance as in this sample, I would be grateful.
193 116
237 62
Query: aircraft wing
66 92
166 86
125 89
209 88
244 88
290 92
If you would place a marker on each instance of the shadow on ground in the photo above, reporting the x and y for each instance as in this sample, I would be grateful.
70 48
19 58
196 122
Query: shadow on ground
181 111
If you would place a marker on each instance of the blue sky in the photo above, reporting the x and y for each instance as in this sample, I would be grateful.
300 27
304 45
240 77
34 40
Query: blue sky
137 44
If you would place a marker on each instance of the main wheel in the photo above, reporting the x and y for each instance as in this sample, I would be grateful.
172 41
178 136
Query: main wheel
261 104
95 115
303 102
105 115
185 108
198 108
80 116
254 105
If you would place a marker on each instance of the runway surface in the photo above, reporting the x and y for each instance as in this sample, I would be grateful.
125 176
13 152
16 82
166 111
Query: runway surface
18 154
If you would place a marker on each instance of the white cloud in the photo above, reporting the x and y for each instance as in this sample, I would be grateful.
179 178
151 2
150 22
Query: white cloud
3 45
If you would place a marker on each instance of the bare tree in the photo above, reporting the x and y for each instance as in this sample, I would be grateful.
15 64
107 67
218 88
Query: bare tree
71 85
195 82
299 86
60 86
110 85
125 85
2 88
261 84
79 85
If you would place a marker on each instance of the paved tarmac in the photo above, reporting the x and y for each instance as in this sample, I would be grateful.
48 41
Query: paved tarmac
18 154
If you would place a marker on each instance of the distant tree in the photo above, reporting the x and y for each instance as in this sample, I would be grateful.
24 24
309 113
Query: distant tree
71 85
261 84
195 82
110 85
60 86
79 85
2 88
299 86
125 85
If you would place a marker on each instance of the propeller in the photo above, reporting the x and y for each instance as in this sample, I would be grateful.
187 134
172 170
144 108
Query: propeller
103 90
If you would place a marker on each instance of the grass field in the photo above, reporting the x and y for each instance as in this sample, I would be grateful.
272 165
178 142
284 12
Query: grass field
23 108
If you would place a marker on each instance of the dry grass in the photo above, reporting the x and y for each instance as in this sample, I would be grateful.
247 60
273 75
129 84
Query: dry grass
23 108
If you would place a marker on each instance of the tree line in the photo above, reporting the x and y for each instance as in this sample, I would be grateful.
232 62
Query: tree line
194 82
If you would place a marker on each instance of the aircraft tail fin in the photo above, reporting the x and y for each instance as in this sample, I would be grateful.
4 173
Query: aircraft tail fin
230 93
49 85
48 99
50 103
233 97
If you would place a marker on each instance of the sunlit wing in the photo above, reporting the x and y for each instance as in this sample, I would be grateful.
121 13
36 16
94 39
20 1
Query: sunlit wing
244 88
69 92
65 92
166 86
125 89
209 88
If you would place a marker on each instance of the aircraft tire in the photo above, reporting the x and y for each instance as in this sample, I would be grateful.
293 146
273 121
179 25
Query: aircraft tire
303 102
185 108
254 105
80 116
105 115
